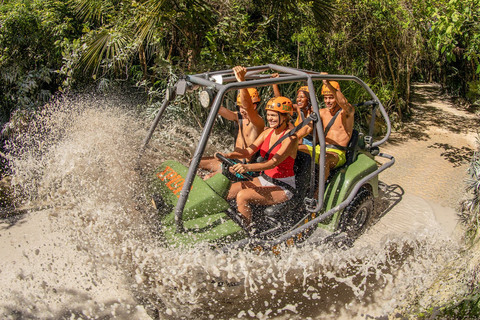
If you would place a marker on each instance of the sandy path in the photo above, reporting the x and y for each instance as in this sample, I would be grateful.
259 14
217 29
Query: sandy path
432 154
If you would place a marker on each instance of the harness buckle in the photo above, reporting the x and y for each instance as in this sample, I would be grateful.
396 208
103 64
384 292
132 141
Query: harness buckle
310 203
368 141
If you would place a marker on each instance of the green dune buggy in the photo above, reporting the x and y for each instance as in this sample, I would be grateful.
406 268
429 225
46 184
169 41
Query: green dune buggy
194 210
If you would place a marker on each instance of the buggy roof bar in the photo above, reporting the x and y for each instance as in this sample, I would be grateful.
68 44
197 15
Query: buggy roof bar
255 79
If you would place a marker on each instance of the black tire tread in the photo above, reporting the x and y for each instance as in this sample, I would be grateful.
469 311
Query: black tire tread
363 196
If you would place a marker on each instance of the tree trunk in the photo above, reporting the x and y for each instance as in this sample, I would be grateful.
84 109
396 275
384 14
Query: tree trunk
395 82
298 54
143 61
409 75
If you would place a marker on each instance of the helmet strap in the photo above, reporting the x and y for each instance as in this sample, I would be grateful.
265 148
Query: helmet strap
280 124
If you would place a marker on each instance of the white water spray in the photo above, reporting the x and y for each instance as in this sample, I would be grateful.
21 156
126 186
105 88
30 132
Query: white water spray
78 164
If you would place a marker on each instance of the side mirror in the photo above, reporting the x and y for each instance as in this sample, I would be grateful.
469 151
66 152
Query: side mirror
184 86
171 93
181 87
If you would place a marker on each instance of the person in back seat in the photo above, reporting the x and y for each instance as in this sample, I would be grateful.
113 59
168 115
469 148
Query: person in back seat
250 123
337 118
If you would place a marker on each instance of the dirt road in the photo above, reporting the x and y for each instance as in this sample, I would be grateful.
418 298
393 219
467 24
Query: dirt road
432 153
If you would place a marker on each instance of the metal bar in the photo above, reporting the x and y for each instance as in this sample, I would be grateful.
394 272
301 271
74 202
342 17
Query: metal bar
204 82
372 121
155 123
196 159
321 137
286 69
230 71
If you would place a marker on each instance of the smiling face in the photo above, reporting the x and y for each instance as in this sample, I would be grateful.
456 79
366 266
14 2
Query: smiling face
302 100
330 101
274 118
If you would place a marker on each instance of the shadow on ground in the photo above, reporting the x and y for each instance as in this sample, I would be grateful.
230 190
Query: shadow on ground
10 217
389 197
456 156
427 114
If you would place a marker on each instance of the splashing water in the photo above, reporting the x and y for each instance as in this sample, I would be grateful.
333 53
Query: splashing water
78 166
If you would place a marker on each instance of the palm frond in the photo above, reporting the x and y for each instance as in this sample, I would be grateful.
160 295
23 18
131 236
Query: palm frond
91 10
323 11
107 45
156 10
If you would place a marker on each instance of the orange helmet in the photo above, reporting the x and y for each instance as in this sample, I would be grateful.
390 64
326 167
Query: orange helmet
303 88
253 94
326 91
280 104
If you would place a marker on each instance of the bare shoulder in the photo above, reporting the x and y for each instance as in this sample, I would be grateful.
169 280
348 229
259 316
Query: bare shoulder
267 130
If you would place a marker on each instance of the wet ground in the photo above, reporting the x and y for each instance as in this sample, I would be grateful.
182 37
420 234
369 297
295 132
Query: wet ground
432 153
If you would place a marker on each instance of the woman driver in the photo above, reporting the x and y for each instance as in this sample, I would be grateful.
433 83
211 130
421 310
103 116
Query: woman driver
277 180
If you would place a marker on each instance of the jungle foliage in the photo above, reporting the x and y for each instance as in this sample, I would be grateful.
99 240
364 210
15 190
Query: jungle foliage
48 46
470 211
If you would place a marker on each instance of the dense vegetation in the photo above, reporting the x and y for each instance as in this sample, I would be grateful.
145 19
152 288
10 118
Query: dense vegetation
47 46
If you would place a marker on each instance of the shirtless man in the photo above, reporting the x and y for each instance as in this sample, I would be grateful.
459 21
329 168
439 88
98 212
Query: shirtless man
250 123
341 129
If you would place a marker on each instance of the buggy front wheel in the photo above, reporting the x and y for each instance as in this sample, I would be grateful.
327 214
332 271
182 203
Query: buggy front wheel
356 216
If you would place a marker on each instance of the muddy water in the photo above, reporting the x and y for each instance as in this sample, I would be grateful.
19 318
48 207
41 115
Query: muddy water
91 247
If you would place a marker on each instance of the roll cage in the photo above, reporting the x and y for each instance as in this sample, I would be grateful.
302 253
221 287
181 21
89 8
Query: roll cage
216 84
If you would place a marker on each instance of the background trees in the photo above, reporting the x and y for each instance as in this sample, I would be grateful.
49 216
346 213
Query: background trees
48 46
31 39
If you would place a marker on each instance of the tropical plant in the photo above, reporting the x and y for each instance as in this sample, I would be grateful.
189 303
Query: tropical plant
470 213
31 52
455 32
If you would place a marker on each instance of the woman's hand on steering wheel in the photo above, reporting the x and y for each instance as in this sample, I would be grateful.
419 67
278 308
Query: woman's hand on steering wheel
240 168
230 164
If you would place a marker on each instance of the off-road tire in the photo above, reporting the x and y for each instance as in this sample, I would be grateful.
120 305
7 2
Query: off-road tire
356 216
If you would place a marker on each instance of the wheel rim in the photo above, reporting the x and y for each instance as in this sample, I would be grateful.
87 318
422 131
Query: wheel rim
360 218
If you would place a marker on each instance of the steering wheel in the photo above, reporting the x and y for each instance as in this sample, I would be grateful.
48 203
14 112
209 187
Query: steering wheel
230 163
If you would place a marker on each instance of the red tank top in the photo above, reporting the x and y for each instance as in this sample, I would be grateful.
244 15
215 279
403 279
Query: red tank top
284 169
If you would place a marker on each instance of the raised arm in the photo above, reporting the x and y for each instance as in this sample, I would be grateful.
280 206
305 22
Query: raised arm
276 89
228 114
249 151
246 99
339 98
305 131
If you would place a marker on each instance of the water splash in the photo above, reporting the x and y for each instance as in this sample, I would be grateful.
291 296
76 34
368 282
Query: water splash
79 159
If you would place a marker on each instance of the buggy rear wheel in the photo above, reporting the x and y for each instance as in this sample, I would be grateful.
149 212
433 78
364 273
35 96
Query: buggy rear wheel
356 216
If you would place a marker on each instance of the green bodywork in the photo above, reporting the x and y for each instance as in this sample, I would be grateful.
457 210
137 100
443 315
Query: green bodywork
342 184
204 215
